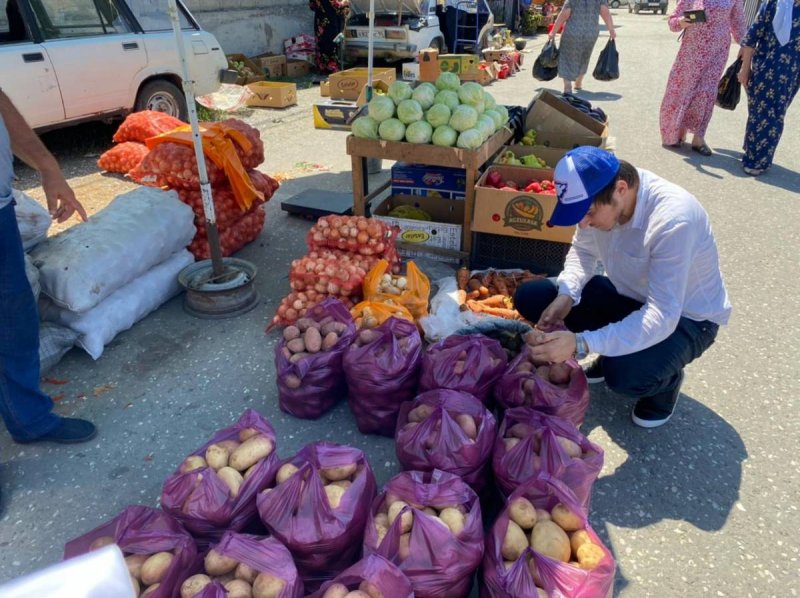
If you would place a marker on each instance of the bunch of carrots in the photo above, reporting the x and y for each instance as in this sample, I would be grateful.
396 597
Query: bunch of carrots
492 292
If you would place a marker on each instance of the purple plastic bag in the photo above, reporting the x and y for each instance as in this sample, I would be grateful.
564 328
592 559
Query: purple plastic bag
385 577
538 449
144 530
382 374
439 442
321 374
556 577
206 508
484 362
439 564
322 540
517 388
263 554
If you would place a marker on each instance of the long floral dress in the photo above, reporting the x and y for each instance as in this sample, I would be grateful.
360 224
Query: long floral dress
580 34
773 84
329 16
692 86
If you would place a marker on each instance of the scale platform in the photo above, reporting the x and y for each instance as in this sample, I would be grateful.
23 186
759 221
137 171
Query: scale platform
314 203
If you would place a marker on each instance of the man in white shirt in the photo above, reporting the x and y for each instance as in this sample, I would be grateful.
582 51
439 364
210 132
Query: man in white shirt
662 300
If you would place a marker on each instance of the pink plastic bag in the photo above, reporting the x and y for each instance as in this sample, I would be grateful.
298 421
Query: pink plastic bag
439 564
483 362
556 577
518 388
144 530
439 442
321 374
206 508
535 435
385 577
322 540
383 374
265 555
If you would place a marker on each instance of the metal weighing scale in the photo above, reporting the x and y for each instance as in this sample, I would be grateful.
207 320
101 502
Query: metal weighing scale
314 203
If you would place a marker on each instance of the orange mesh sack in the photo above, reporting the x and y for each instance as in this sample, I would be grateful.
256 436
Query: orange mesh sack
123 158
411 291
369 314
147 123
233 238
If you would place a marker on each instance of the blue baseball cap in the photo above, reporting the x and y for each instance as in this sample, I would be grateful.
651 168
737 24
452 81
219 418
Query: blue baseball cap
579 176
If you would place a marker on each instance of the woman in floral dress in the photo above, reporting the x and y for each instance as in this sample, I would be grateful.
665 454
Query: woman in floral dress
771 75
329 17
692 86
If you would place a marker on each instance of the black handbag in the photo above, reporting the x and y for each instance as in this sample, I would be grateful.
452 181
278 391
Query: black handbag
607 67
543 73
549 55
729 89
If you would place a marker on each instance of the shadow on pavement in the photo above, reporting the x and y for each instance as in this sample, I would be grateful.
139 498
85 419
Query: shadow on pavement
598 96
776 175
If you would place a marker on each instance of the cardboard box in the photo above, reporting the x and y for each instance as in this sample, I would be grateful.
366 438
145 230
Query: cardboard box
428 181
273 65
460 64
258 73
377 86
493 55
272 94
410 71
551 155
428 64
325 89
560 125
444 231
347 84
333 114
297 68
516 213
485 74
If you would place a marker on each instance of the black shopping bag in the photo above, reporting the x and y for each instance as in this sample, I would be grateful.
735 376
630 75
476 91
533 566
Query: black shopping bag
729 89
543 73
607 68
549 55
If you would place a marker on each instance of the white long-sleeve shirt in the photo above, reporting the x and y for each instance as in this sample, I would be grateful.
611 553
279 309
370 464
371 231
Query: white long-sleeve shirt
665 256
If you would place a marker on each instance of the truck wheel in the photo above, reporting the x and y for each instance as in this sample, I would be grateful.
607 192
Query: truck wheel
162 96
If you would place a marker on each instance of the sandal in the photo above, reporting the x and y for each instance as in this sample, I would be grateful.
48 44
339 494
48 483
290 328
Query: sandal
753 171
703 150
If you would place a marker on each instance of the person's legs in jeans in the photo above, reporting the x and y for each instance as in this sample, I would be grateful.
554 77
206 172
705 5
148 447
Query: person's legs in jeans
26 410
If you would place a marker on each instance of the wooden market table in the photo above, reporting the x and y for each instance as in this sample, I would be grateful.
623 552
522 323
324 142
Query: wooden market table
471 161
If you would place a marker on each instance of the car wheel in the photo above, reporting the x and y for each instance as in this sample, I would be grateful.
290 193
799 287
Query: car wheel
162 96
636 10
614 4
664 11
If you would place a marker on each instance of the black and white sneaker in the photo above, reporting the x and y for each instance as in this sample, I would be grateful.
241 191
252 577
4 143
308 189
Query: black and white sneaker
594 371
655 411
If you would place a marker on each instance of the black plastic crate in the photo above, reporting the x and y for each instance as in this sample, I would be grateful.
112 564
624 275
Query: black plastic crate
501 251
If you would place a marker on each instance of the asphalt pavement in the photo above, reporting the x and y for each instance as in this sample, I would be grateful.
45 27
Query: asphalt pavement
706 505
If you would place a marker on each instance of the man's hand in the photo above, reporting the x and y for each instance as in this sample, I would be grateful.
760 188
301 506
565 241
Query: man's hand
555 347
554 314
61 200
685 23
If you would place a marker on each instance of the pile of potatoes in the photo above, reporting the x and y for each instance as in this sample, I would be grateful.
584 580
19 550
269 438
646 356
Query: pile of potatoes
239 579
233 461
520 431
367 336
147 571
558 534
366 589
336 480
558 374
468 424
307 337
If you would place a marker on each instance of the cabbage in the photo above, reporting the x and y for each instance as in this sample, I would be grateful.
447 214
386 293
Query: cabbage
409 111
399 91
470 139
424 94
463 118
485 125
503 111
380 108
438 115
495 116
445 136
427 85
419 132
479 106
489 100
366 127
392 130
470 93
448 97
448 81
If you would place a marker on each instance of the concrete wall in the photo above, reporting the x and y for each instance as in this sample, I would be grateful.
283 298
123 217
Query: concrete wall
253 26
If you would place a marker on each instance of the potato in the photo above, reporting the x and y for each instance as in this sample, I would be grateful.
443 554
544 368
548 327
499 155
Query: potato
304 324
549 539
297 345
541 593
519 431
231 445
542 515
365 337
286 471
330 340
250 471
508 564
514 543
292 381
290 333
336 590
590 555
247 433
101 542
420 413
155 568
356 594
313 340
467 424
522 512
406 519
298 357
135 585
217 456
246 572
578 539
334 494
380 532
251 451
191 463
430 511
134 563
543 372
238 588
232 478
223 579
571 448
194 585
569 521
560 373
343 472
150 591
218 564
458 368
267 586
404 549
510 443
454 519
370 589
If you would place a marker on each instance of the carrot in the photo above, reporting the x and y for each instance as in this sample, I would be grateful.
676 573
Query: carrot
494 301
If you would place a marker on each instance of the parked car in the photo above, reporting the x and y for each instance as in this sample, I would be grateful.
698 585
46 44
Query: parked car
618 3
67 61
636 6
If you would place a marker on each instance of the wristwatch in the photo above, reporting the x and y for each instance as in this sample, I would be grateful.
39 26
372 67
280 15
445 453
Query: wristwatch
581 347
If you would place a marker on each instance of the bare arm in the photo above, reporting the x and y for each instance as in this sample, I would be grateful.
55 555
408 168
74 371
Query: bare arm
26 145
562 18
605 14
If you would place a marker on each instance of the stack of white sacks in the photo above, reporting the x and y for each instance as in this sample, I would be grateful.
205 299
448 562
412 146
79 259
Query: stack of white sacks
101 277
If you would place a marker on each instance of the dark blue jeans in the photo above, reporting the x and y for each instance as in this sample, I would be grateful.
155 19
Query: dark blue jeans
26 410
645 373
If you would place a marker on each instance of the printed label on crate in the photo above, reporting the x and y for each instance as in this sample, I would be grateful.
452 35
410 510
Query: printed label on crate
415 236
524 213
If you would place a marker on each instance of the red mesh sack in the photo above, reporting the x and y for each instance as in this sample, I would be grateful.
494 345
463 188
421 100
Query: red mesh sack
297 303
356 234
123 158
138 126
233 238
331 272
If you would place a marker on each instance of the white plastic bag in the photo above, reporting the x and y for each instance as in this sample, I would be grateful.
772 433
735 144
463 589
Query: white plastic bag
33 220
123 308
83 265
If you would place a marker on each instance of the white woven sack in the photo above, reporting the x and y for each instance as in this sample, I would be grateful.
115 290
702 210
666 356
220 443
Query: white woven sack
33 220
83 265
32 273
124 307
